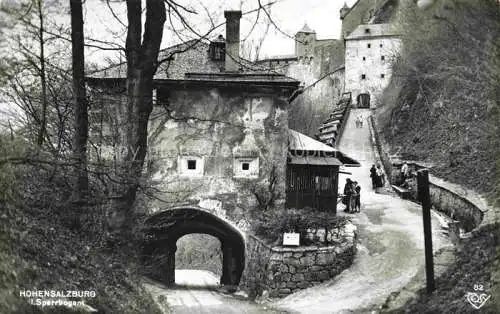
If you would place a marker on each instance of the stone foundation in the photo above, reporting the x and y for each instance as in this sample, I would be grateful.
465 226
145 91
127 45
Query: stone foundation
284 270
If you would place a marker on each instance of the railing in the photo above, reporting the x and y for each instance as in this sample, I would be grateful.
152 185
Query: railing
347 112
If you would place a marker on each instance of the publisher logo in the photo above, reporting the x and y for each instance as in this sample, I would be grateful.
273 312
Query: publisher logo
478 298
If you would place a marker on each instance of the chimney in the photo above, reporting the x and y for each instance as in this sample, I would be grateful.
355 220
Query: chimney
232 40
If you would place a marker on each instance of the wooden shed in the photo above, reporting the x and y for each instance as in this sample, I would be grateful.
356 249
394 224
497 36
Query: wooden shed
312 173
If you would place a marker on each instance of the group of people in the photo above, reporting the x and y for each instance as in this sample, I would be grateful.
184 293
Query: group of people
359 121
378 177
352 198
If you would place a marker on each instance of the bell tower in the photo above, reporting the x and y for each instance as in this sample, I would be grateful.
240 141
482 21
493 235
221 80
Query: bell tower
305 40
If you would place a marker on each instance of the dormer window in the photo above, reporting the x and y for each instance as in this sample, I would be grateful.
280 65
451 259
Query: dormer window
217 49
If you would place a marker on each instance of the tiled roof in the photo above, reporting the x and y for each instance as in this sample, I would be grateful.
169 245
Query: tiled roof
120 70
306 29
365 31
299 141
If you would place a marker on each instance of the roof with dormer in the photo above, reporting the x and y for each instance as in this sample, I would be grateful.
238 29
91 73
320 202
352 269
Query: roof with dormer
365 31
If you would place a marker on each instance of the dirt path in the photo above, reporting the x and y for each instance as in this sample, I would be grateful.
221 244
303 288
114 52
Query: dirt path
196 292
390 248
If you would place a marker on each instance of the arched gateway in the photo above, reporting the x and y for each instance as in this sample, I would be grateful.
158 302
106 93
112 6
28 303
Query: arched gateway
162 230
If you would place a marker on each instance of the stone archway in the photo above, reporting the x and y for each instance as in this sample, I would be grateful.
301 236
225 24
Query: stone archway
162 230
363 100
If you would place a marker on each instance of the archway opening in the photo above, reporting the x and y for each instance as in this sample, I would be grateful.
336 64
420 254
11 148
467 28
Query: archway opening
163 230
363 100
198 261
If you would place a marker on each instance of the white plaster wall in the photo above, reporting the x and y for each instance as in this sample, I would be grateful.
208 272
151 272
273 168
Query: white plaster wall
233 127
372 66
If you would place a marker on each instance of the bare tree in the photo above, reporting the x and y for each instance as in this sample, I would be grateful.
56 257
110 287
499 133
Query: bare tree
142 62
80 134
41 40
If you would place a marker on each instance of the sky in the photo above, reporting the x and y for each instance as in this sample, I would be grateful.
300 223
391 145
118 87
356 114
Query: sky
288 15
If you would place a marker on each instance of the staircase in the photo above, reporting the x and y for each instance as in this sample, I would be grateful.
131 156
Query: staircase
331 130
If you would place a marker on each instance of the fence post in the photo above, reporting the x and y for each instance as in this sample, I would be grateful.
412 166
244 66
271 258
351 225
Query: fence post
425 200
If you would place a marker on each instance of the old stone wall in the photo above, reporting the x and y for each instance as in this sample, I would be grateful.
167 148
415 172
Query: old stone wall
215 148
320 96
284 270
257 257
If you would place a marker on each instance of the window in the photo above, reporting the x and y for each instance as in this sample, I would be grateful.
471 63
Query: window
381 45
363 76
369 45
382 75
191 164
217 48
382 58
246 167
364 58
367 31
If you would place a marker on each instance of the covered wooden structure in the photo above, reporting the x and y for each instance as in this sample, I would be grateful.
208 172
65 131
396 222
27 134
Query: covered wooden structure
312 173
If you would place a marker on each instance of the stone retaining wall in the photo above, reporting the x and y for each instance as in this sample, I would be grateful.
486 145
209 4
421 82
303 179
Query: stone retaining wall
455 201
446 198
284 270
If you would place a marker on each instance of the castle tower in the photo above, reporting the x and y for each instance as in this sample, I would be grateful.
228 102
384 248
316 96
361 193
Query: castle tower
343 12
305 40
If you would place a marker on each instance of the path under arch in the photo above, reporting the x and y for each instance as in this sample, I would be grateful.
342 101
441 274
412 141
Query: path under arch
165 228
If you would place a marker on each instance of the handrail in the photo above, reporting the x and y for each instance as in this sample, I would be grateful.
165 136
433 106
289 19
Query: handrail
345 117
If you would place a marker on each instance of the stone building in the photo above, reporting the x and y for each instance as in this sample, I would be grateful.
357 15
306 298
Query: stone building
218 133
219 145
328 68
370 49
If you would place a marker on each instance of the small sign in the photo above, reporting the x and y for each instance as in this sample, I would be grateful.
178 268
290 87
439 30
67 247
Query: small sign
291 238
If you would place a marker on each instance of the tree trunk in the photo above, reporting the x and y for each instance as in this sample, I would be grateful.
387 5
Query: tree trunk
142 62
80 187
43 118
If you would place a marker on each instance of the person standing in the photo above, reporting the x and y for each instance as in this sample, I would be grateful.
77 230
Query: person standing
380 177
404 172
357 198
373 176
348 191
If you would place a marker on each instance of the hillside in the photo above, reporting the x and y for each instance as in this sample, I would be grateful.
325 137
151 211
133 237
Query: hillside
442 108
43 247
442 104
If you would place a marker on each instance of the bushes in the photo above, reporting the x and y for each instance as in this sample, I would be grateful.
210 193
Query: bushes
440 106
272 224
